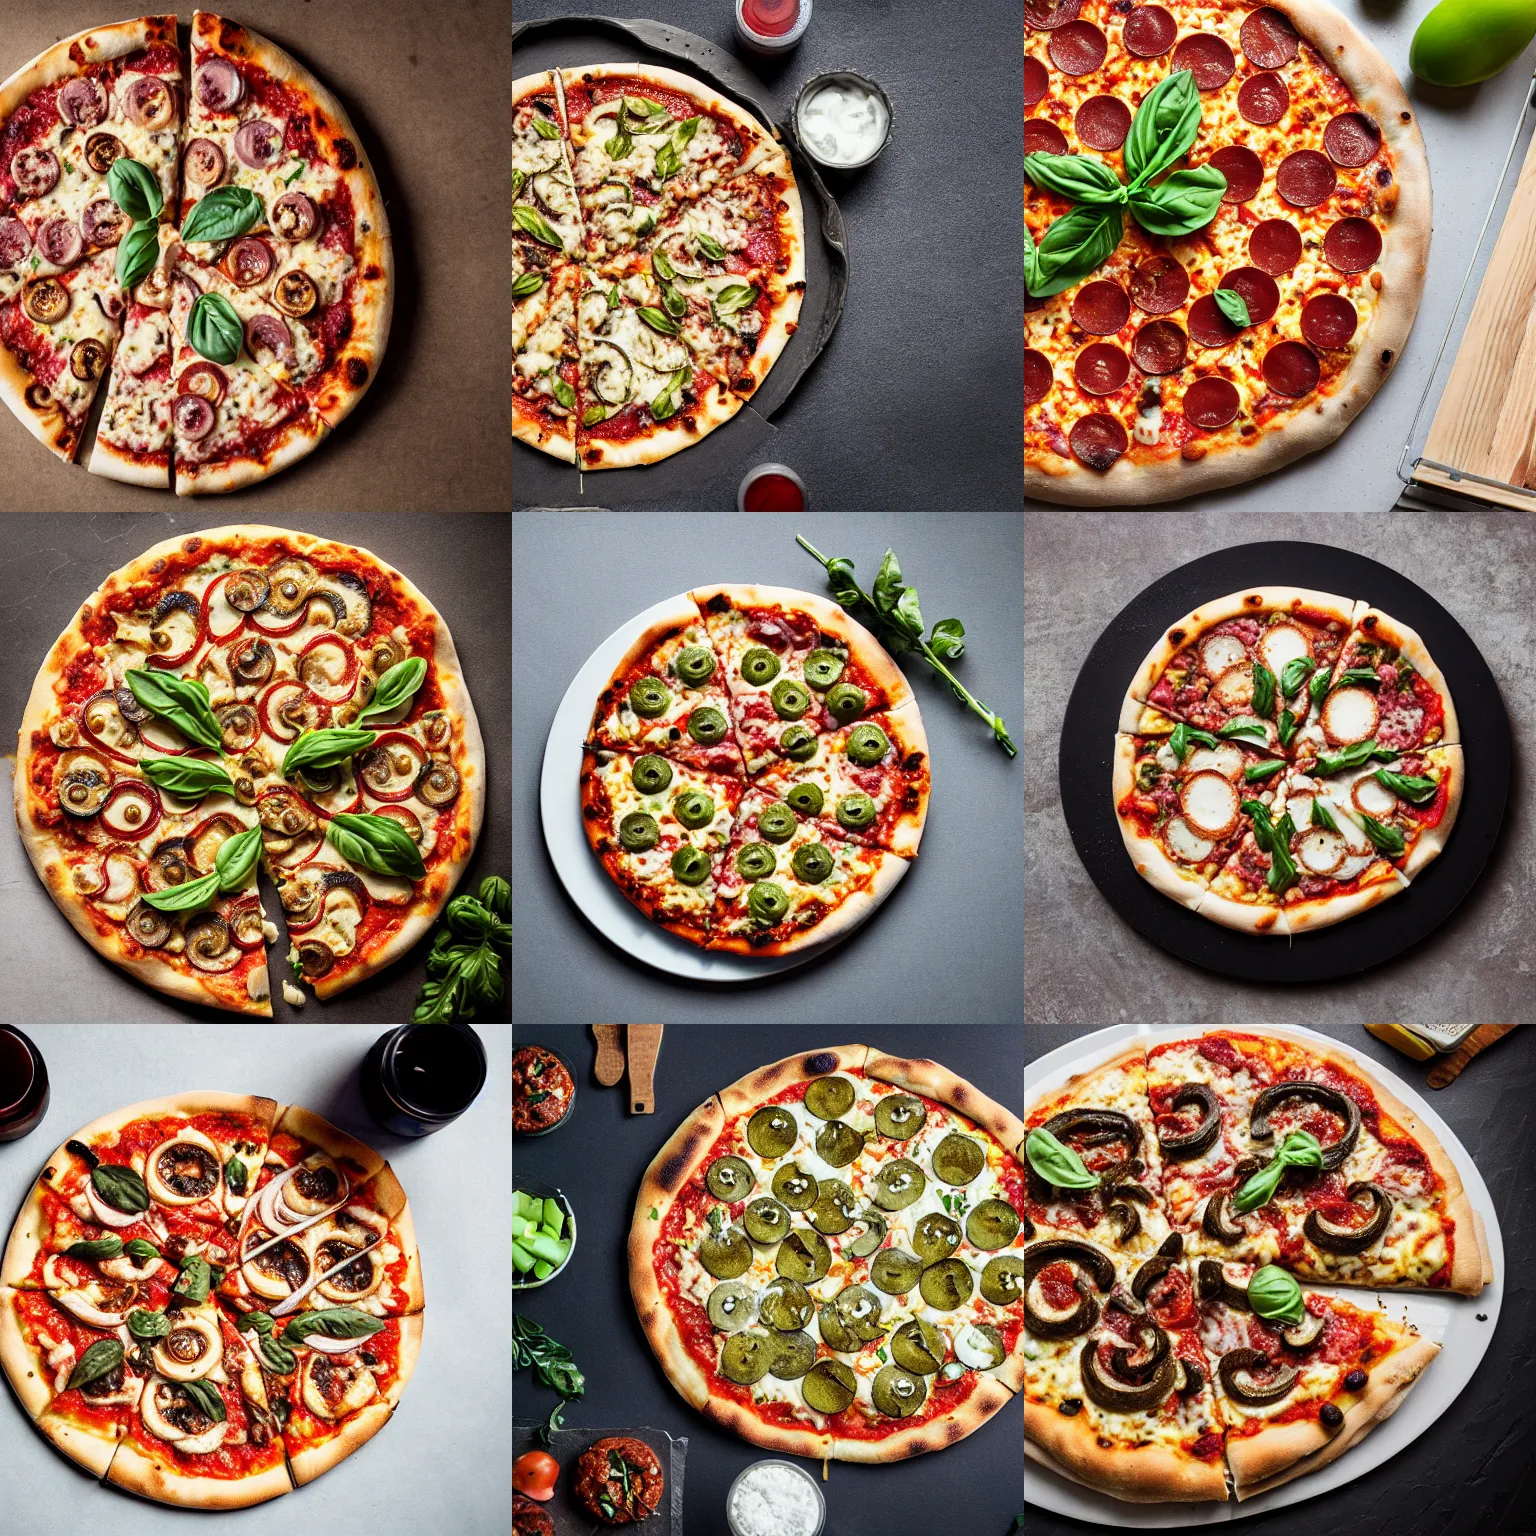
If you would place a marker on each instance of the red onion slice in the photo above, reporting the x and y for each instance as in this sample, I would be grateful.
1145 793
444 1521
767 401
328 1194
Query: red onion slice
249 261
82 102
103 223
148 102
259 143
218 85
294 216
266 334
194 417
60 242
15 242
202 163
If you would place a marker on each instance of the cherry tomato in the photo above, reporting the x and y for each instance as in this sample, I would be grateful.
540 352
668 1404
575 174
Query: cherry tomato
535 1474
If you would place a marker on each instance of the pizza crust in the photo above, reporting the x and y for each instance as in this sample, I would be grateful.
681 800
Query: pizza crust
1166 876
305 1125
1323 911
83 1446
1139 1475
1243 916
1432 840
218 477
308 1464
933 1081
114 463
21 1365
162 1481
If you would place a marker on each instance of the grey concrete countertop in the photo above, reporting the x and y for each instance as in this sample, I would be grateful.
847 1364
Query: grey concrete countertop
441 1463
53 562
928 348
946 943
1082 961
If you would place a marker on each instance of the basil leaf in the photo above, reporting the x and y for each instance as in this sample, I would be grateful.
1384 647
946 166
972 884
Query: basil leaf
1183 203
141 1252
1275 1296
1283 873
332 1323
1353 756
1243 725
1409 787
193 1279
1079 178
668 161
529 282
1300 1150
401 682
613 297
947 639
255 1322
1317 689
673 302
1388 839
1257 771
519 181
546 129
530 223
223 214
183 898
207 1398
1179 741
620 142
1164 128
1032 278
107 1247
496 896
148 1325
1076 244
236 858
181 700
378 843
1296 671
659 320
682 135
564 393
237 1175
276 1355
135 189
645 111
214 329
1058 1165
137 252
710 248
189 777
594 414
104 1356
327 748
120 1187
666 404
1322 815
1357 677
1235 307
1263 690
888 583
1285 727
734 296
1263 827
662 267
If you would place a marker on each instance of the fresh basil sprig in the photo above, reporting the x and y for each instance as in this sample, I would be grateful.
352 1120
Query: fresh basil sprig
141 1251
181 700
1301 1149
1357 677
464 965
734 297
544 128
1235 307
401 682
137 252
710 248
214 328
1263 690
1181 203
1255 772
190 777
529 282
378 843
1317 689
1076 244
207 1398
551 1363
1285 727
120 1187
327 748
135 189
1322 814
1057 1163
1275 1296
277 1355
531 223
1410 787
1164 128
659 320
668 401
1078 178
1388 839
193 1279
1183 734
332 1323
1242 725
103 1357
223 214
95 1248
1355 756
232 865
143 1324
1275 840
1296 671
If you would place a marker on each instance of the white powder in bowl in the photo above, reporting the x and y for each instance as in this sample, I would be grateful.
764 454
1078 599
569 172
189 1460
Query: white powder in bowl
774 1499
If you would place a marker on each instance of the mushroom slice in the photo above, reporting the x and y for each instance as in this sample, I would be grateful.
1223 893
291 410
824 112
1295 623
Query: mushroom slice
1211 804
439 783
1180 1144
183 1169
1267 1100
210 946
1237 1370
1307 1332
1338 1238
1134 1397
334 1387
192 1348
1350 715
170 1413
1047 1318
290 580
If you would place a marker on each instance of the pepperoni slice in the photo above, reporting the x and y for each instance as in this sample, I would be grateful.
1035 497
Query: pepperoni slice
1101 308
1038 376
1043 137
1352 245
1103 122
1306 178
1329 320
1047 15
1244 172
1351 139
1149 32
1208 327
1268 38
1160 347
1274 246
1262 99
1291 369
1160 285
1097 441
1258 290
1211 404
1101 369
1207 57
1078 48
1037 81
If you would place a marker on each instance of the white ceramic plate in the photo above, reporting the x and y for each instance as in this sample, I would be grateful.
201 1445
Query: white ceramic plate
1452 1321
584 878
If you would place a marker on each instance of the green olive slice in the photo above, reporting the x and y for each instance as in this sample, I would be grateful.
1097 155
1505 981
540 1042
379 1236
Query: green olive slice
899 1184
805 800
766 1220
958 1159
726 1255
746 1357
918 1346
694 808
694 664
947 1285
829 1387
804 1256
776 822
813 863
786 1305
900 1116
771 1131
1002 1281
867 744
838 1143
833 1211
793 1355
729 1178
637 832
895 1272
707 725
834 1330
823 668
856 811
992 1224
756 861
731 1306
829 1097
759 666
798 743
860 1308
794 1187
767 903
790 699
897 1393
935 1237
649 697
691 865
846 702
651 774
869 1240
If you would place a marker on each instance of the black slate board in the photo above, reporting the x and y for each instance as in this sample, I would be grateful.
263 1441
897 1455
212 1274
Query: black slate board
1360 943
565 1445
564 42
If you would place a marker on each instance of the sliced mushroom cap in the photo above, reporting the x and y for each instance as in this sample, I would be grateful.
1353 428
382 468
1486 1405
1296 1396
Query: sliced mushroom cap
1139 1362
1180 1145
1123 1212
149 927
290 581
1236 1369
1093 1262
1334 1238
252 660
1087 1128
1331 1099
1211 1284
83 791
1307 1332
282 811
1136 1397
170 864
210 946
315 958
1218 1222
439 783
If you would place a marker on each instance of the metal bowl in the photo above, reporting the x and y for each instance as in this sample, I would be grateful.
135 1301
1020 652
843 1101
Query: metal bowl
833 77
773 1461
545 1192
570 1109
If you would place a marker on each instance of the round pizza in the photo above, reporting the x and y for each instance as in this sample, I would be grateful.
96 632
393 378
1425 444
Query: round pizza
1227 221
827 1256
240 696
756 773
658 261
211 1299
200 228
1177 1196
1286 759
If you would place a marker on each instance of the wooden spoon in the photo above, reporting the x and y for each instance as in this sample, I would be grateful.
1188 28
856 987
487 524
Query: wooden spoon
610 1054
642 1046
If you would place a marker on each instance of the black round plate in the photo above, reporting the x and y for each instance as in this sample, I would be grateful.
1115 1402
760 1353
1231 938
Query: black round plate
1087 756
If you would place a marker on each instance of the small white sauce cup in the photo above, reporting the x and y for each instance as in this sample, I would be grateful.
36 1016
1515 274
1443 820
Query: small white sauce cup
810 1482
842 77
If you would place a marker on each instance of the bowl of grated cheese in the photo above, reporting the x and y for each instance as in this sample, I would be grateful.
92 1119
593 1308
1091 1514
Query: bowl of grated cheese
775 1498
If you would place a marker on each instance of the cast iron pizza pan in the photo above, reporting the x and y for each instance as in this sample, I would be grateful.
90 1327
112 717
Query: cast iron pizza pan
1399 924
566 42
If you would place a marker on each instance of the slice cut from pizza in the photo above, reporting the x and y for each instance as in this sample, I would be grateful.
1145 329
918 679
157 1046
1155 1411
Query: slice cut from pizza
546 374
133 434
545 209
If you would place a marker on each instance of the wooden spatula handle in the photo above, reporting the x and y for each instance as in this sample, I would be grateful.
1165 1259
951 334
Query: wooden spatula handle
1479 1040
609 1067
642 1045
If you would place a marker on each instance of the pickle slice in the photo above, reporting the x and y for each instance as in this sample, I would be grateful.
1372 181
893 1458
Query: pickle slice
900 1116
899 1184
726 1254
746 1358
1002 1281
803 1256
895 1272
838 1143
828 1098
958 1159
786 1305
793 1355
731 1306
794 1187
947 1285
993 1224
829 1387
897 1393
766 1220
935 1237
729 1178
771 1132
833 1210
918 1346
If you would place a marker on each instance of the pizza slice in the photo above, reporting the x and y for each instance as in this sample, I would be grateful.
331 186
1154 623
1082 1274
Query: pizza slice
133 434
545 358
545 210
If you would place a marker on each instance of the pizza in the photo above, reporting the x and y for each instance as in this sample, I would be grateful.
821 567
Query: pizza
247 696
210 1299
1177 1196
1227 214
756 773
826 1256
1286 759
198 227
658 262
